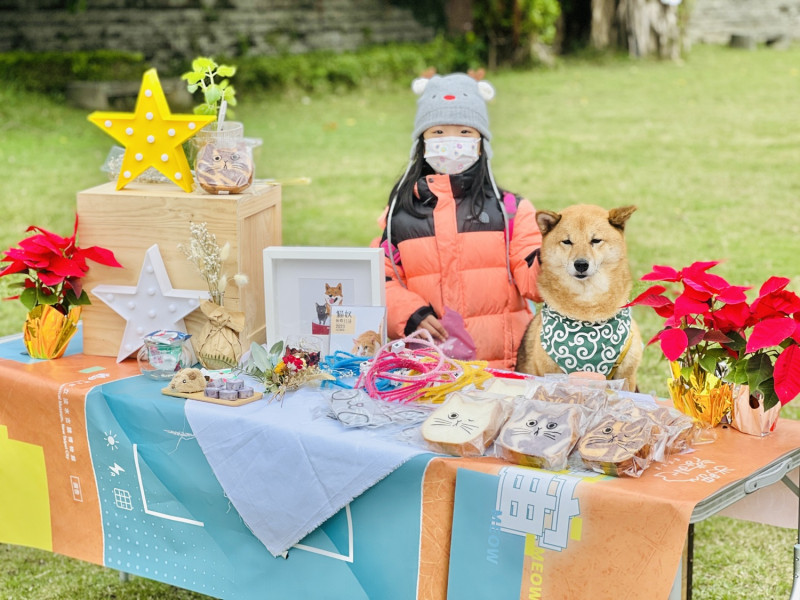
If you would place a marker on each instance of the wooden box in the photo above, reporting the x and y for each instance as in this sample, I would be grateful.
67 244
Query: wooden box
131 220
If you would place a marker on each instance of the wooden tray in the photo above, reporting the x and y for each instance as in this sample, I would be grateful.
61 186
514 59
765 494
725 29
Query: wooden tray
203 398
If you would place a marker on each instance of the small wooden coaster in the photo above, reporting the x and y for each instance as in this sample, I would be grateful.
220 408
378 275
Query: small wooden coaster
203 398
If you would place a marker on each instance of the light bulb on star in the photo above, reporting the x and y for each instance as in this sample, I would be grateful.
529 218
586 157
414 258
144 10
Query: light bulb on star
152 135
153 304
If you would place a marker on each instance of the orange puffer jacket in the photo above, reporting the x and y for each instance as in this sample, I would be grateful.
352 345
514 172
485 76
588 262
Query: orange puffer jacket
449 259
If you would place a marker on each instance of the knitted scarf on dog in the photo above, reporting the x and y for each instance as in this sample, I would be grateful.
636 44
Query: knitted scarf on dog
585 346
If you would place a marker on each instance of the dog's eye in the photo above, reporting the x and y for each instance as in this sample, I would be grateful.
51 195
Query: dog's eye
595 241
566 242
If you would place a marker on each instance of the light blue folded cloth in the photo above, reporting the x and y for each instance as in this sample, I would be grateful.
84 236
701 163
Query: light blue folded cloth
285 471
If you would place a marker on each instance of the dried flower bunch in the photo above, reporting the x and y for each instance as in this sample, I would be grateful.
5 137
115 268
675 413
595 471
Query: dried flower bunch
209 258
283 369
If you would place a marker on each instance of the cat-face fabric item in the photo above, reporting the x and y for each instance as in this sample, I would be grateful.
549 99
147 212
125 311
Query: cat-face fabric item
540 434
461 426
354 408
617 446
224 170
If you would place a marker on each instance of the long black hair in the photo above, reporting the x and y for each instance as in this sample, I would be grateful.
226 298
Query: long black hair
419 167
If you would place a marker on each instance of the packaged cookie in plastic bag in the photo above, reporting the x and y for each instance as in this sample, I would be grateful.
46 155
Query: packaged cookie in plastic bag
540 434
464 426
617 445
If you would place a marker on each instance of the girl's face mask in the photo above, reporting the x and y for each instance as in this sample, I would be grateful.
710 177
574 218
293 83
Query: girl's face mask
452 155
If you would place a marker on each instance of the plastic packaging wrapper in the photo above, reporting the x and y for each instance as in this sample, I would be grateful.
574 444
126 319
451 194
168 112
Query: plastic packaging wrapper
541 434
593 397
459 343
355 408
616 445
464 426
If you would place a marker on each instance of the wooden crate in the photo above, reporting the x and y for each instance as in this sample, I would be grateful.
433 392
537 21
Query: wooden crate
131 220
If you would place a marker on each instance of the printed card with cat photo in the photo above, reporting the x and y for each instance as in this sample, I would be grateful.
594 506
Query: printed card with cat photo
358 330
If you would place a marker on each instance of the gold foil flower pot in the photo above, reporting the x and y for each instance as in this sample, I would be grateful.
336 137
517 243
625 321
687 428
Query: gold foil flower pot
702 396
47 331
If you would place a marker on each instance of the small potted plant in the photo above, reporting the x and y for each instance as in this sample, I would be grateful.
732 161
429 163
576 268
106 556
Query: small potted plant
51 267
222 158
713 337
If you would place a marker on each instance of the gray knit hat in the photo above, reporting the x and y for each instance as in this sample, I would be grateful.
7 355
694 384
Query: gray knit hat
455 99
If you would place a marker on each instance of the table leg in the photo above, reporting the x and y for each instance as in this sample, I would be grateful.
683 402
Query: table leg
682 586
795 595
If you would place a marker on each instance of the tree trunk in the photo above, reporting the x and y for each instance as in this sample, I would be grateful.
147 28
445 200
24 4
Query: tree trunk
459 16
603 33
643 27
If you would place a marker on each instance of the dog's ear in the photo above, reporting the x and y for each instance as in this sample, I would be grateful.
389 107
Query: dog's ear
619 216
547 220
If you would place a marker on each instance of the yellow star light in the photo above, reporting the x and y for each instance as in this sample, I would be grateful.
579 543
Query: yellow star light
152 135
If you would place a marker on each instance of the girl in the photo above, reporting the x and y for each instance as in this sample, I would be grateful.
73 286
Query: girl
452 239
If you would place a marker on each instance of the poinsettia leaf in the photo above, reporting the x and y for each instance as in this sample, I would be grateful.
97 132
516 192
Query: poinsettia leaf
99 255
733 294
770 332
767 388
787 374
49 299
673 343
737 342
688 306
72 299
773 284
759 369
782 302
709 361
28 298
652 296
661 273
694 335
716 336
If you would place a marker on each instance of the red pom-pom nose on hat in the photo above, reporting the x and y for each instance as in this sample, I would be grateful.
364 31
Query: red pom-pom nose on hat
449 97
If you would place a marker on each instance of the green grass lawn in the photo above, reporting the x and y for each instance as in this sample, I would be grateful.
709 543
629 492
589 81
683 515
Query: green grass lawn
708 150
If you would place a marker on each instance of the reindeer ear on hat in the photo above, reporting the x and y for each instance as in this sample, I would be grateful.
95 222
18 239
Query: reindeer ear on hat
486 90
419 85
421 82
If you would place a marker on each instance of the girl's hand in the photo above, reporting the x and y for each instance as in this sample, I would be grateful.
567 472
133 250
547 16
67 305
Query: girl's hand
433 326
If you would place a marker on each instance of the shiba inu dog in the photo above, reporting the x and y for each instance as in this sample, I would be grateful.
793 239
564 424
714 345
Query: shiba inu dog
585 281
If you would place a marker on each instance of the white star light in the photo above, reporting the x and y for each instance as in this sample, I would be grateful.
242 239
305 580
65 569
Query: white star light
153 304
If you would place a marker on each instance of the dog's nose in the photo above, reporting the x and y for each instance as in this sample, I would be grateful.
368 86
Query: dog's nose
581 265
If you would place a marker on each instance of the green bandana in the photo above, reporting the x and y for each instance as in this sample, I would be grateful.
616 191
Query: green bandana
582 345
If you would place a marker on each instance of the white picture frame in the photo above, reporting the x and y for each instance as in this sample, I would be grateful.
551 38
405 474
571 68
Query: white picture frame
297 280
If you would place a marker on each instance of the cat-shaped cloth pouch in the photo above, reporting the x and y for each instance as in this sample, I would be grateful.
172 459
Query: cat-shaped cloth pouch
617 445
463 426
541 434
354 408
224 167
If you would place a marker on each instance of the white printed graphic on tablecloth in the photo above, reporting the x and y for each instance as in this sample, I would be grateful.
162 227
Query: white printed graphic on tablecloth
691 469
538 503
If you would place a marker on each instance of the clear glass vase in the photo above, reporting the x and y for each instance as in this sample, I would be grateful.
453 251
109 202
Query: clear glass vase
223 159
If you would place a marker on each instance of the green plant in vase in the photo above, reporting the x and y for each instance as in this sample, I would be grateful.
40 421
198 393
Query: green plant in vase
211 78
222 158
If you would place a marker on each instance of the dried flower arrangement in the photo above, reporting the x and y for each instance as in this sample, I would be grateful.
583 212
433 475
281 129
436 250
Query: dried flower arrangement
208 257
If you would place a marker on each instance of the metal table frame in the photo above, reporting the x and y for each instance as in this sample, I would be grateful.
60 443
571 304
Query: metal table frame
777 471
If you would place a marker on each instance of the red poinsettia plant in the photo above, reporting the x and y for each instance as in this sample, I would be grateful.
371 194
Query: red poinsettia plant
711 324
52 267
